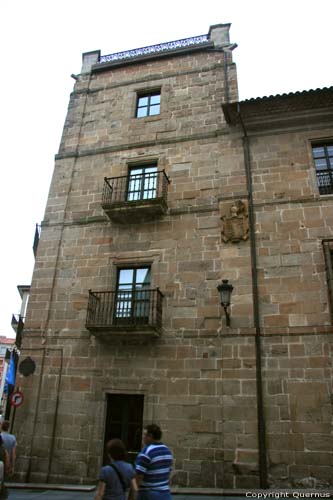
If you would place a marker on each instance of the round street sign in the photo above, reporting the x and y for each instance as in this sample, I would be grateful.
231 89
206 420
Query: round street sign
16 399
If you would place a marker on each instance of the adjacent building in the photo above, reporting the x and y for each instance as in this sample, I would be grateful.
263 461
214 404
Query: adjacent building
6 344
165 186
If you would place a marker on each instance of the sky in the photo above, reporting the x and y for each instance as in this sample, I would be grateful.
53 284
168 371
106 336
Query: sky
283 46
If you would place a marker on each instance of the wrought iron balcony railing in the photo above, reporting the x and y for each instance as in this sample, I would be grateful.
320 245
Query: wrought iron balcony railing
125 310
141 196
18 326
36 239
155 49
325 181
138 187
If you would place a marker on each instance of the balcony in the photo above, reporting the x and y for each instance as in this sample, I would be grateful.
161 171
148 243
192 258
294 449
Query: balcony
36 239
325 181
136 197
125 313
17 324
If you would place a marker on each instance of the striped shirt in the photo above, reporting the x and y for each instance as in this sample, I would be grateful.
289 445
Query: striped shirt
154 462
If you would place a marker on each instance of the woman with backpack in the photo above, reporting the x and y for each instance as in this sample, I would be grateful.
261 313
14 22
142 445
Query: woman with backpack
116 479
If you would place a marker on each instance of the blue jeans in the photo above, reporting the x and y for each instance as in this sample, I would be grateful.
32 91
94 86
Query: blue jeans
153 495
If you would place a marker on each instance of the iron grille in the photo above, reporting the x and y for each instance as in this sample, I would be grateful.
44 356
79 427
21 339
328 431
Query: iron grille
125 308
155 49
325 181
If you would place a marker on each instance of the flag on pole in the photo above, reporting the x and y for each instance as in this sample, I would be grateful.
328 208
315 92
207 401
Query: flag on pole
10 376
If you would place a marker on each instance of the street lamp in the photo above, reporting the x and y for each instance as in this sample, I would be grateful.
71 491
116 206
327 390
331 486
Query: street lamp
225 290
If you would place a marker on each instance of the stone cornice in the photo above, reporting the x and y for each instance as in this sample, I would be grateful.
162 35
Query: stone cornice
314 200
144 144
266 332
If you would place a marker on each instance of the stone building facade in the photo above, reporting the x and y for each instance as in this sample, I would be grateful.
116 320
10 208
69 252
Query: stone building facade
163 186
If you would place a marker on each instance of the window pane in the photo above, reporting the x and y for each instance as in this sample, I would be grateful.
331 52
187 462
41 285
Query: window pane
124 304
142 101
125 287
134 189
134 185
125 276
143 276
330 150
136 171
142 112
150 184
154 110
318 152
155 99
321 164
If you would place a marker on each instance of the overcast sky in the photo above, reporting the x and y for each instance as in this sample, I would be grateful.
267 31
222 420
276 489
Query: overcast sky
283 46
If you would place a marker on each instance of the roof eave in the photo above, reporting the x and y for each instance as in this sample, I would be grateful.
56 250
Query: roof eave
282 110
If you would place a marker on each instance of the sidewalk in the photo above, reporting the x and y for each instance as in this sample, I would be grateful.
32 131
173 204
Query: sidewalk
19 491
45 494
27 491
28 494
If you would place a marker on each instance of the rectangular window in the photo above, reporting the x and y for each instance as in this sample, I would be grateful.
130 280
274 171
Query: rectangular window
142 183
323 161
148 104
132 296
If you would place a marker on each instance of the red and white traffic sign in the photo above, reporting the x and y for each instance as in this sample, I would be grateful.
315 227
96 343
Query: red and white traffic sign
16 399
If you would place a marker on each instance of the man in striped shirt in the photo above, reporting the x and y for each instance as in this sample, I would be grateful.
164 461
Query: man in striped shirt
153 466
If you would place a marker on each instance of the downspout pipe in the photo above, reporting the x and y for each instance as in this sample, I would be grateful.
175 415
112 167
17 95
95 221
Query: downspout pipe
226 79
227 49
256 315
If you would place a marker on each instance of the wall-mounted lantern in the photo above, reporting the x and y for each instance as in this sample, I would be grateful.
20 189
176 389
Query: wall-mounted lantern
225 290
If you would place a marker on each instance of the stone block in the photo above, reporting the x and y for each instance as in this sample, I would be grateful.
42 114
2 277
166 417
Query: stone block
234 413
179 478
246 456
207 387
310 458
229 387
178 387
246 482
248 387
274 386
318 442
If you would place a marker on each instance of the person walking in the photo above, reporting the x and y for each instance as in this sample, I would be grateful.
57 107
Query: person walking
9 443
118 477
4 470
153 466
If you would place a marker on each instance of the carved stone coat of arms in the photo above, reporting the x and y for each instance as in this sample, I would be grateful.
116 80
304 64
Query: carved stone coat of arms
235 222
